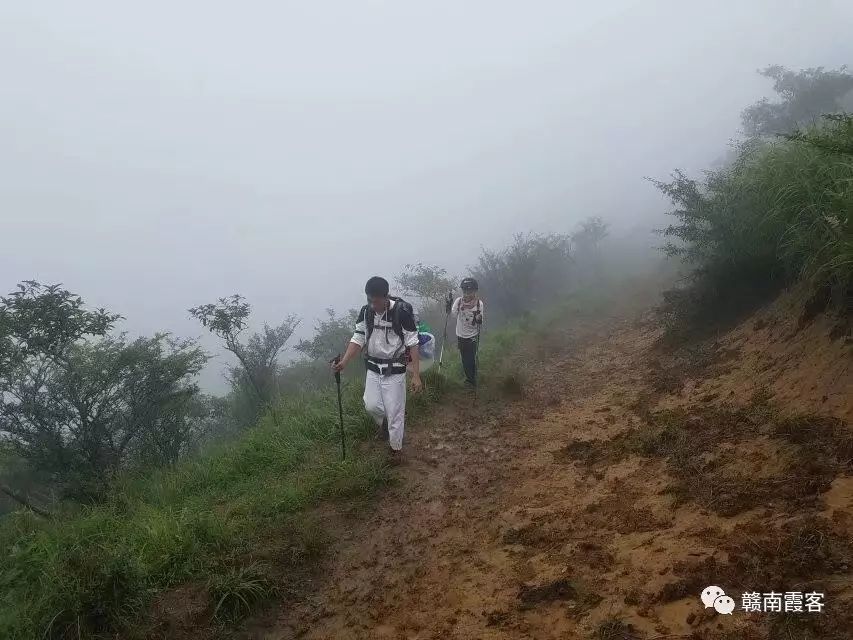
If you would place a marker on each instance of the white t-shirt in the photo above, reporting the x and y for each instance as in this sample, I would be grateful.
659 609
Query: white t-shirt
465 326
384 343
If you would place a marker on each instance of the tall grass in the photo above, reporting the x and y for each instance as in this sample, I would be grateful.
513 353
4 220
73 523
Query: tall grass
780 213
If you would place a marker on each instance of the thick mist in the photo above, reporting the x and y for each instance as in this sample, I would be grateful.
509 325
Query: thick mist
158 157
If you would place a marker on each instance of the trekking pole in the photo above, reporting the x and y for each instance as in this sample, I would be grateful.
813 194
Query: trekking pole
340 409
444 338
477 359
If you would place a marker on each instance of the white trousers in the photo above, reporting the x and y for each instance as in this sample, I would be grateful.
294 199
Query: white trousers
385 397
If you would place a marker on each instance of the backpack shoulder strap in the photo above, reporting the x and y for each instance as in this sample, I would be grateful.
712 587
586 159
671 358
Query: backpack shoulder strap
369 316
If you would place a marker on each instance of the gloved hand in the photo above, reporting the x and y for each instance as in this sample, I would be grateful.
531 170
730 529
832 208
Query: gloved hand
448 303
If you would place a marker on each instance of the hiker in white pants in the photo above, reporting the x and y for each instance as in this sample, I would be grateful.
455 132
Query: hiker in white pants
386 332
385 400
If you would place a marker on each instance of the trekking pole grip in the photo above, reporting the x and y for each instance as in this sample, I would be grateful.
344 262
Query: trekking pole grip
337 360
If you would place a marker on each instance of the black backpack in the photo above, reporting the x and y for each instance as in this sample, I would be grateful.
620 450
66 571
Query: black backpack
401 309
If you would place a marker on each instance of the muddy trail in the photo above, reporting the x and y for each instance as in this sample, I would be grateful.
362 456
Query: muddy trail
598 505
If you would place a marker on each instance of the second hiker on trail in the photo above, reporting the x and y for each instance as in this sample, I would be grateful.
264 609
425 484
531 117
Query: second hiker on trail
386 332
468 310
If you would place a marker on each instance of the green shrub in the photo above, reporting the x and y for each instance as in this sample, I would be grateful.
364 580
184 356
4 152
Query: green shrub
531 272
236 591
780 213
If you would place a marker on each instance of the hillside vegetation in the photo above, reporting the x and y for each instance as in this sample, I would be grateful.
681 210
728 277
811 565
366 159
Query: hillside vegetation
778 213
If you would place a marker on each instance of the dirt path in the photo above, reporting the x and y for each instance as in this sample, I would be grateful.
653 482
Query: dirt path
494 529
437 558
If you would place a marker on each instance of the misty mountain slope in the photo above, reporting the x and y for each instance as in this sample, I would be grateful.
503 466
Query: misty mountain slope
604 500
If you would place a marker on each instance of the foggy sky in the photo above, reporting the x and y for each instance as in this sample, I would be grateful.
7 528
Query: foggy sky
160 155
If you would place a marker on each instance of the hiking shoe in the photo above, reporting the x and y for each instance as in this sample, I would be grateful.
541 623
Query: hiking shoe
395 457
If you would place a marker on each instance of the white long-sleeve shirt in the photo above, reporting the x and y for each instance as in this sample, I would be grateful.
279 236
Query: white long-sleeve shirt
384 341
464 312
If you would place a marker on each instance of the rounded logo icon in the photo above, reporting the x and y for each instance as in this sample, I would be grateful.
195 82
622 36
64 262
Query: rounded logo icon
724 604
710 594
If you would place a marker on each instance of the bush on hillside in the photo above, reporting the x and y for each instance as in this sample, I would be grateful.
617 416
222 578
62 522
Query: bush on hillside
534 270
79 404
428 283
780 213
257 353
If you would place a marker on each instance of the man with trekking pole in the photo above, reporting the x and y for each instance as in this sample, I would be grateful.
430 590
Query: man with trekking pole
387 335
468 310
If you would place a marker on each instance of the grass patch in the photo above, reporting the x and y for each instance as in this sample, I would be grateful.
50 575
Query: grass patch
563 590
236 590
802 553
675 363
806 554
613 628
821 438
830 625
